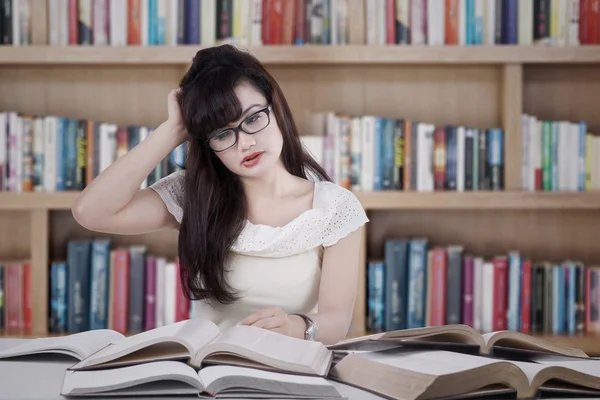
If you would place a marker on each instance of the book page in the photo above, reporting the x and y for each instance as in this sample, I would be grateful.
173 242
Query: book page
270 348
79 345
210 374
436 362
190 334
521 341
89 382
228 380
533 369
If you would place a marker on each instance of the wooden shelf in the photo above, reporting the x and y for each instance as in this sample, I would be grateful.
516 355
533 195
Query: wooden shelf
384 200
309 55
510 200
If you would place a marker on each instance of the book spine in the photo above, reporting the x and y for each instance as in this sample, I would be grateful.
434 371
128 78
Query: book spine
27 154
437 296
548 300
375 294
468 169
468 290
541 20
388 154
571 318
558 305
454 285
100 24
402 22
451 160
78 274
514 291
150 292
192 22
84 22
417 278
496 159
580 300
182 304
439 160
408 155
500 265
396 263
27 297
120 295
526 297
100 260
399 144
136 296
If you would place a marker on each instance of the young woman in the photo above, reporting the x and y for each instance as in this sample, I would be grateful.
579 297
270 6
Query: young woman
259 242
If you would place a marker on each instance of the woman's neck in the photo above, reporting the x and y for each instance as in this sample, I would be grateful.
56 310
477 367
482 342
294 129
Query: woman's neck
271 186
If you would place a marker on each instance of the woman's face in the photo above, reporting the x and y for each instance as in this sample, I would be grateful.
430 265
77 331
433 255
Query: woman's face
254 153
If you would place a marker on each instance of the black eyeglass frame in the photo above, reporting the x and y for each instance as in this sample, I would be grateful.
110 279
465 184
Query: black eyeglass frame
236 130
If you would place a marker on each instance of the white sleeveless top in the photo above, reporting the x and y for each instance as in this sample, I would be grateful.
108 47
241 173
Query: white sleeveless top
276 266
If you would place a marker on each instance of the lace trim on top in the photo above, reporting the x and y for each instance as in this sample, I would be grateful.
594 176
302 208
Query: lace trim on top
335 214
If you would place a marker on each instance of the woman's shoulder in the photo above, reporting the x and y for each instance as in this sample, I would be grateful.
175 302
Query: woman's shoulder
344 211
170 188
331 196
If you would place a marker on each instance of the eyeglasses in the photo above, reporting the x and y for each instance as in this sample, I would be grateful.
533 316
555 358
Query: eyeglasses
227 138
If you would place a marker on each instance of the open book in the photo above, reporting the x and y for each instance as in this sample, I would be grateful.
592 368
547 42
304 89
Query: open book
421 374
461 338
78 345
197 342
176 378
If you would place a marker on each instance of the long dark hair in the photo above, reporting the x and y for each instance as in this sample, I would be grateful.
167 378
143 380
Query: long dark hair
215 206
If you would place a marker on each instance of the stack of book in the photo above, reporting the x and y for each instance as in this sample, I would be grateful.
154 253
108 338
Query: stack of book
193 357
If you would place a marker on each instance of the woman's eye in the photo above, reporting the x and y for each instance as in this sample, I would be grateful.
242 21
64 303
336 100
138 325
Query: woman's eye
222 136
252 119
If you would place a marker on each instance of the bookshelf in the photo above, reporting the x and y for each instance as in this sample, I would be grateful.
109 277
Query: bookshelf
480 86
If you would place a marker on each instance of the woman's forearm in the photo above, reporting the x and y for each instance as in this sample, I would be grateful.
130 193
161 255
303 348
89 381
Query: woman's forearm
112 189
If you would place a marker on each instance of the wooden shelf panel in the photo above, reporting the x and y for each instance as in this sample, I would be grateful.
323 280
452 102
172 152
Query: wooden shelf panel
37 201
384 200
517 200
296 55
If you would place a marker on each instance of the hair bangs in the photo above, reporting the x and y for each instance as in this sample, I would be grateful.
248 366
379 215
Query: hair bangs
213 104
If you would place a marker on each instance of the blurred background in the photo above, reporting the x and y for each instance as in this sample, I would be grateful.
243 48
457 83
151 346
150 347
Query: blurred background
467 129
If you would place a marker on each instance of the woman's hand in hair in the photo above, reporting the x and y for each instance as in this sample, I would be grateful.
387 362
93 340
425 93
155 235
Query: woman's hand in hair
174 115
276 320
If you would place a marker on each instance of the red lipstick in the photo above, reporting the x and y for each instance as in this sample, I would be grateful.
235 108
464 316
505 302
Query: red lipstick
252 159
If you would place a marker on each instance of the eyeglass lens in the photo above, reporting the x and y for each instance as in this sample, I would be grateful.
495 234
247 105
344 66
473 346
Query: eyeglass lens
250 125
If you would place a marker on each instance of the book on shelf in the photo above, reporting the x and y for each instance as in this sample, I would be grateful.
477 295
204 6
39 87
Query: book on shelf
125 288
559 155
218 381
195 342
16 296
374 153
299 22
417 283
459 338
428 374
57 153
